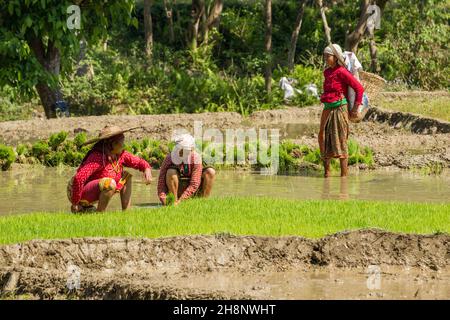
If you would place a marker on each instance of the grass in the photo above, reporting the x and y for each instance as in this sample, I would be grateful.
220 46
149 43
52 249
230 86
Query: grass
240 216
433 106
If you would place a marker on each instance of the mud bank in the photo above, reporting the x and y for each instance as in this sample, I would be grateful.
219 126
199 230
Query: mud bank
408 121
223 266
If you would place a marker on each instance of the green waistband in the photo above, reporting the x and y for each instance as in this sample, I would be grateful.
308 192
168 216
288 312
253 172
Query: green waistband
335 104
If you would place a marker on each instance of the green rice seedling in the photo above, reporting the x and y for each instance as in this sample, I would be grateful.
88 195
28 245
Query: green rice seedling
80 139
170 199
7 157
57 139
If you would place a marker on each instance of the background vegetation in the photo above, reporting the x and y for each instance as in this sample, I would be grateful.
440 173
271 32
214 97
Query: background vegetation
113 66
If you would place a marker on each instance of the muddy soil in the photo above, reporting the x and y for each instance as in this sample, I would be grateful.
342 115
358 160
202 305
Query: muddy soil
339 266
399 140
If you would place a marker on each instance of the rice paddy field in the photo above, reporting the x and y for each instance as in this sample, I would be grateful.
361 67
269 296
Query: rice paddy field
233 215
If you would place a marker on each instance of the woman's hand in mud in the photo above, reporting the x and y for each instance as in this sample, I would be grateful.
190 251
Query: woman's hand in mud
75 208
148 176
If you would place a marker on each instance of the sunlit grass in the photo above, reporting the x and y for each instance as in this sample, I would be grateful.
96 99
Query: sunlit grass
240 216
430 106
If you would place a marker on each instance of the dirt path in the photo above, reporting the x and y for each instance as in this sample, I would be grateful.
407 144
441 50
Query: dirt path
194 267
398 139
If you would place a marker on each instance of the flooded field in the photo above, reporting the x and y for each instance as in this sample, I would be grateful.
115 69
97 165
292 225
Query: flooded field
31 189
367 264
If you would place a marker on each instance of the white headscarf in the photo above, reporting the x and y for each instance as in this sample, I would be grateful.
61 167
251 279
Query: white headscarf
337 50
185 141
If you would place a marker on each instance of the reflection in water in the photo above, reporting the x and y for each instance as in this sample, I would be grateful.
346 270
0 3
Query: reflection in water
44 189
343 189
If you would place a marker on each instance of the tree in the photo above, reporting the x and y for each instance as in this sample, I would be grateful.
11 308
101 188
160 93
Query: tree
198 8
148 29
268 45
212 21
295 33
38 45
169 15
209 18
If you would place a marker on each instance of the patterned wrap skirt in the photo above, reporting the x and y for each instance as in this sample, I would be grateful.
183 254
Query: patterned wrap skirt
336 133
92 189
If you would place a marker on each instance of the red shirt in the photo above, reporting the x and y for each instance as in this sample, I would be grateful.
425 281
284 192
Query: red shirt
335 86
97 166
194 171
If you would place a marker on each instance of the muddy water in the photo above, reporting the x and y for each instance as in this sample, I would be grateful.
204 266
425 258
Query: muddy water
31 189
390 283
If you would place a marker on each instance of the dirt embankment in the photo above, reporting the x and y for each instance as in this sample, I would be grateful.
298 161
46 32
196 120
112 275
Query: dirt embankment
224 266
398 139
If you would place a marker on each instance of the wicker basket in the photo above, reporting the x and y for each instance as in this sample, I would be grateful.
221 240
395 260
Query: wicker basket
373 84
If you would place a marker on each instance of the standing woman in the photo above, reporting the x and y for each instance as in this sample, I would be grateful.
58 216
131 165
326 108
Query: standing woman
100 175
334 122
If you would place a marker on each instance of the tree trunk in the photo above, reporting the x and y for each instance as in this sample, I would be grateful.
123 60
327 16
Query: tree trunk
295 33
325 22
268 46
148 28
373 52
50 60
198 7
214 14
204 27
213 17
169 16
353 38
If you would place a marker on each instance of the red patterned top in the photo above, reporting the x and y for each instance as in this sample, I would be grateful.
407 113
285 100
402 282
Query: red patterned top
194 171
337 81
97 166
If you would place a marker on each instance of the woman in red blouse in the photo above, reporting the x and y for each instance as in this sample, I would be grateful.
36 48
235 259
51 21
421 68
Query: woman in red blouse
334 122
101 174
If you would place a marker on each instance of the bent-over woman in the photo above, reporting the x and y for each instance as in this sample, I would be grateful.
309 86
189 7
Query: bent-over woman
100 175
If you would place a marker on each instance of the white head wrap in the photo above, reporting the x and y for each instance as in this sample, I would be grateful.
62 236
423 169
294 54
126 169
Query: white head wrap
185 141
338 49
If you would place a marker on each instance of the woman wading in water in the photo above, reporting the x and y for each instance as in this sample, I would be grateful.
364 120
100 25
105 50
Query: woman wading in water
334 122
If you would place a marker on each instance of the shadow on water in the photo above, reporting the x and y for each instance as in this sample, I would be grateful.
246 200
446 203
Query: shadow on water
34 189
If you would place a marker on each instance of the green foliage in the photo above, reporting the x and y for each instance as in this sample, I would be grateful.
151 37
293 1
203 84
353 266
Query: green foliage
223 74
33 30
7 157
57 139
